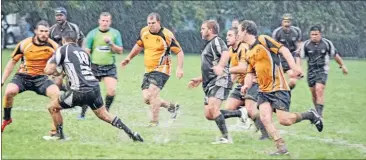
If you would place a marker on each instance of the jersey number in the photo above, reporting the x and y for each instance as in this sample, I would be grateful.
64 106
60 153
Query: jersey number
83 57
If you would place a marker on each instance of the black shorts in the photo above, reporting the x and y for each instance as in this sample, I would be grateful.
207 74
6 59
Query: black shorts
317 77
279 99
252 93
156 78
101 71
217 92
38 84
90 97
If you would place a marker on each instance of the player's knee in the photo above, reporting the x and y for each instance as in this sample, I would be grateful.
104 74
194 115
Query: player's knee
10 93
111 91
208 116
147 100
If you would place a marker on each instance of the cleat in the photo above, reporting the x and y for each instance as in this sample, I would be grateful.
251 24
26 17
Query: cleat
174 111
53 133
280 152
317 121
222 140
5 123
136 137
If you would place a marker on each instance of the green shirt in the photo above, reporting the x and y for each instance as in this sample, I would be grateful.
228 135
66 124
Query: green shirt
101 52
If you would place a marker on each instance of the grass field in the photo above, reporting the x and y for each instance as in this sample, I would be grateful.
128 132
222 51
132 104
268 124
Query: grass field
191 134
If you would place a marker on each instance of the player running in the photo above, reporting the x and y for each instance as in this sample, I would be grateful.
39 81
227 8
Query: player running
319 50
103 43
290 36
84 89
33 52
216 80
157 42
238 68
274 95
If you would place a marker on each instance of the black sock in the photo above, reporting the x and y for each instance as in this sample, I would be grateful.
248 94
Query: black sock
7 113
258 123
60 131
319 109
220 122
229 114
108 101
306 116
84 108
119 124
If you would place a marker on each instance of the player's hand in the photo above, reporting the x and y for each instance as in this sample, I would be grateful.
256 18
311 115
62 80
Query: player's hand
297 73
195 82
218 70
179 73
244 89
107 39
125 62
344 70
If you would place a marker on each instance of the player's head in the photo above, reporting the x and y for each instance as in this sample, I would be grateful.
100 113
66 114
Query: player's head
235 23
315 33
209 28
153 21
60 15
232 36
105 21
246 30
286 20
69 36
42 31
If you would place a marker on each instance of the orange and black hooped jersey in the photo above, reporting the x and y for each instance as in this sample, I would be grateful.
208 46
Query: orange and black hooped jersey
157 48
263 60
33 57
238 55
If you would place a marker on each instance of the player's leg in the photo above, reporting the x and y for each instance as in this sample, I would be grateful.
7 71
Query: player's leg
59 82
214 109
233 104
111 85
281 102
266 110
46 87
95 102
17 85
155 102
11 91
319 91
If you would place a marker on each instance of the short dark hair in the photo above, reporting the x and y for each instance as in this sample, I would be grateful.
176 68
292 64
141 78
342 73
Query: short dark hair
42 23
212 24
249 26
154 14
105 14
235 29
316 28
69 36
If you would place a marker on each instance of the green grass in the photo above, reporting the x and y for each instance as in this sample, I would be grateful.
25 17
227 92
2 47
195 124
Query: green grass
190 136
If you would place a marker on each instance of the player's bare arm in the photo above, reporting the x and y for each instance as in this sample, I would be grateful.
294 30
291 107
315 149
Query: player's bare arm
180 72
135 51
339 60
291 62
248 82
241 68
297 53
51 69
219 68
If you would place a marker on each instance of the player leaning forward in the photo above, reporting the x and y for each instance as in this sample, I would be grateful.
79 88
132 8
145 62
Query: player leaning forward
84 89
274 95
